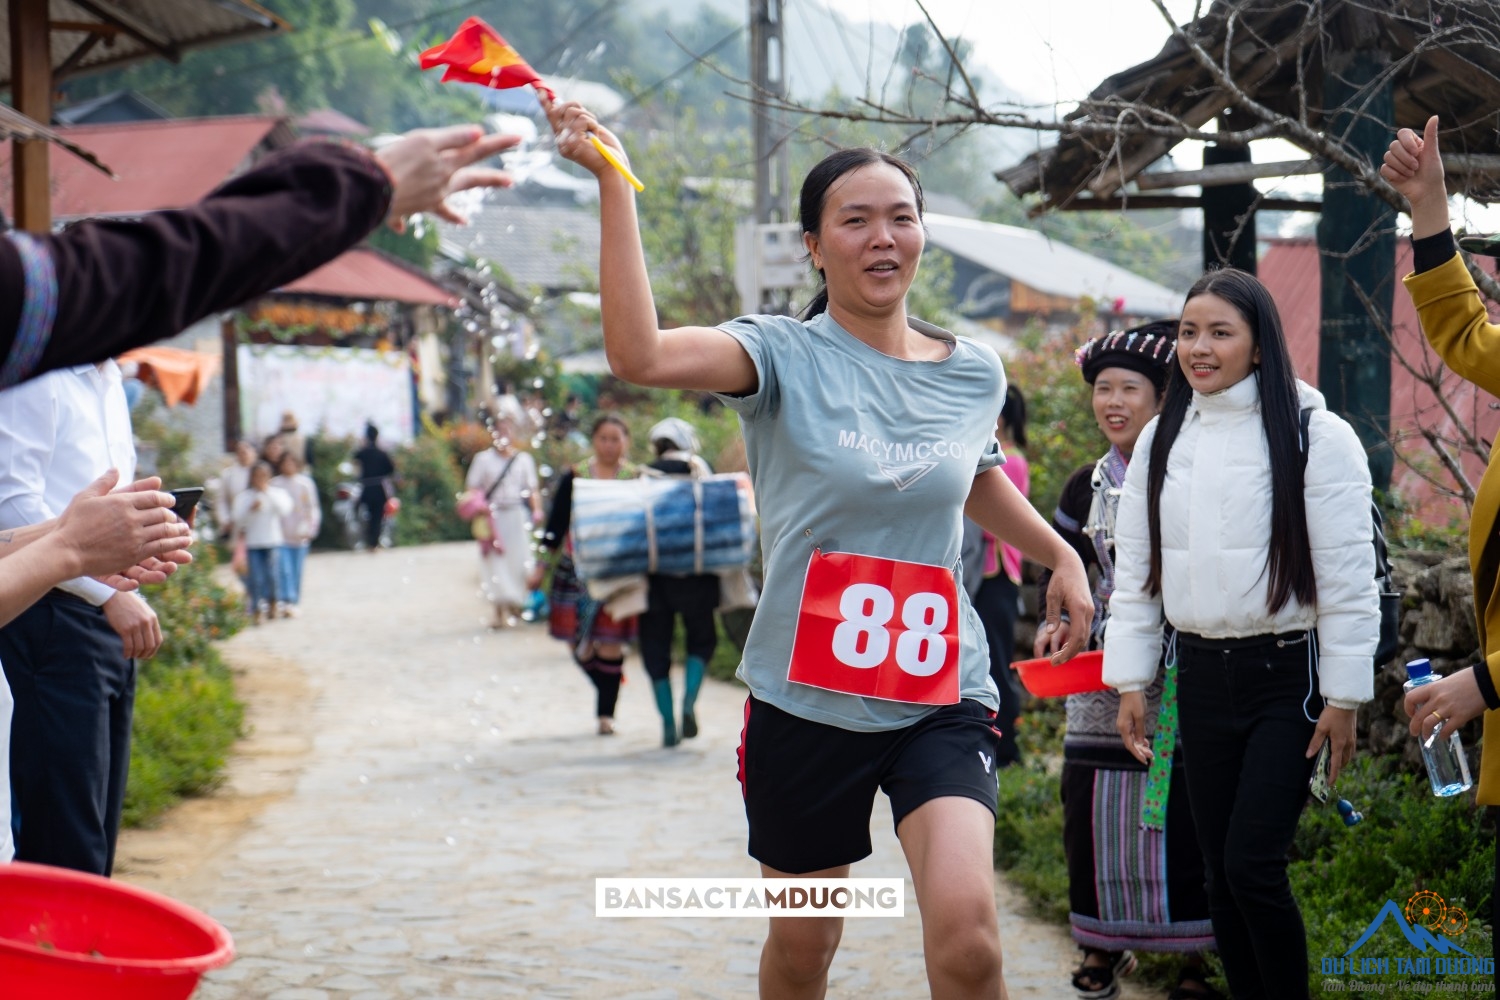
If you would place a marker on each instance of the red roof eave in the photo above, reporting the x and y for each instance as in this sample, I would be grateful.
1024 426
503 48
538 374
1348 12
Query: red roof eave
366 275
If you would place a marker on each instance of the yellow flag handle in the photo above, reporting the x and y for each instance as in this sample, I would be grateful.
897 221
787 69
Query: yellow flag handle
616 162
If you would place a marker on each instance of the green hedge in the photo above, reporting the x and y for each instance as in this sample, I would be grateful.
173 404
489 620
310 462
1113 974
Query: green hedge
1409 841
186 714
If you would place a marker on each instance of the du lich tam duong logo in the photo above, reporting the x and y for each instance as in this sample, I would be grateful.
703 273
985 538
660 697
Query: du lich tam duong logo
1431 928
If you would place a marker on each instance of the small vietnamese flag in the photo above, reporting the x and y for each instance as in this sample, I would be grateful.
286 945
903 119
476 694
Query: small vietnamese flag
477 54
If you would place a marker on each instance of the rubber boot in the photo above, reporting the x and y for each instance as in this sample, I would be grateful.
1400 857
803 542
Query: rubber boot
663 691
695 671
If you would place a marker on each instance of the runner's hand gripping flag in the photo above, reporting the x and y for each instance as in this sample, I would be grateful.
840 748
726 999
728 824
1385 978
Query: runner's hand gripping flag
477 54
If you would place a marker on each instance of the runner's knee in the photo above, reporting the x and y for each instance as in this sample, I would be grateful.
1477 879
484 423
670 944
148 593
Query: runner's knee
802 949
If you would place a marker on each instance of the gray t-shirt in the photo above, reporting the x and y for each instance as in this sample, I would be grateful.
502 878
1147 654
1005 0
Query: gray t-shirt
851 450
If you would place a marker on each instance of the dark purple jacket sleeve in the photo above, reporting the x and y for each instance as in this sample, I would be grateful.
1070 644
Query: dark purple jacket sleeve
122 284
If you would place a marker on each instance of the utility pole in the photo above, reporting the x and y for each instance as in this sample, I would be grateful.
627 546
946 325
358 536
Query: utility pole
765 251
773 171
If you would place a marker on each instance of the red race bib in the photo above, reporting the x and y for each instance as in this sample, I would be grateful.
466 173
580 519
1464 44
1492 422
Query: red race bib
878 628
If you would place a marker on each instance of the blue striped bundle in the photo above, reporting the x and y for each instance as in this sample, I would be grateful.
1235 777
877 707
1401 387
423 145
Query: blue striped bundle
622 527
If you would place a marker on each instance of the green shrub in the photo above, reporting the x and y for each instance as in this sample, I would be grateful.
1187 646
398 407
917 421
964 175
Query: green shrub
1409 841
1060 428
186 713
327 455
428 481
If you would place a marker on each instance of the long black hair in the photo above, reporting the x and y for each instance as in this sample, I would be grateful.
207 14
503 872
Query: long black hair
1289 564
815 194
1014 414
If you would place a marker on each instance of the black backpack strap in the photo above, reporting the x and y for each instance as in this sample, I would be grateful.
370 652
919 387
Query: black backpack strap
1304 436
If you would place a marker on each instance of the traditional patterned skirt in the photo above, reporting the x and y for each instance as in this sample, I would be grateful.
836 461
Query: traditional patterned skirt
1128 887
575 617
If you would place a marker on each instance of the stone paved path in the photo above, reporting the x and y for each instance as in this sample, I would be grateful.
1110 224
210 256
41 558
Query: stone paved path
421 809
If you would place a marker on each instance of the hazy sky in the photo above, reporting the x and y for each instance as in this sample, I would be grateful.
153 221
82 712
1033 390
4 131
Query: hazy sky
1050 50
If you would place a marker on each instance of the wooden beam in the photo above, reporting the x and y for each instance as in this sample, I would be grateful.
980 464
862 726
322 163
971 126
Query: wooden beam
1143 202
86 27
68 65
1221 174
31 93
107 10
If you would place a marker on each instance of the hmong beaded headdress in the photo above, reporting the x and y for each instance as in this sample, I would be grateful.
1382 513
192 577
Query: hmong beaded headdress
1149 349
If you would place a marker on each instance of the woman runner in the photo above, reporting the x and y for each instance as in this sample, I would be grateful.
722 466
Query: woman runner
868 435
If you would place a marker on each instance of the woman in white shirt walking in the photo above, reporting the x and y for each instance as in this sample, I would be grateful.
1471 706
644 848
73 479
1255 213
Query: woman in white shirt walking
1256 548
257 518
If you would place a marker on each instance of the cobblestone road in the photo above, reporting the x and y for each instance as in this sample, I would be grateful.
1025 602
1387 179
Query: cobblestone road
421 809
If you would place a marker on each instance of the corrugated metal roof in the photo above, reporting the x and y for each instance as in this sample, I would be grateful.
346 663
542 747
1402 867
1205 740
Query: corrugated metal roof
367 275
140 29
157 164
556 249
1048 266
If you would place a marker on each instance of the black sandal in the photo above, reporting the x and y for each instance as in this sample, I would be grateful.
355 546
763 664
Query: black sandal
1100 982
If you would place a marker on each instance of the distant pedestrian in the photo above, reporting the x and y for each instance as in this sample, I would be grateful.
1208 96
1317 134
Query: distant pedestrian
298 529
507 476
596 638
693 598
997 595
375 487
258 514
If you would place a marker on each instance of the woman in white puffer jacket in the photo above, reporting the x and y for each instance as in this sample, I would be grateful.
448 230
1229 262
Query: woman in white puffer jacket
1259 557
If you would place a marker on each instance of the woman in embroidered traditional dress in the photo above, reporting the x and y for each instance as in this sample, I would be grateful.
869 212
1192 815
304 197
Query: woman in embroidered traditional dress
1124 890
596 637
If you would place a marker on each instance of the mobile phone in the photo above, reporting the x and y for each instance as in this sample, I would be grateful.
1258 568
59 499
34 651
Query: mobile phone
1318 784
184 500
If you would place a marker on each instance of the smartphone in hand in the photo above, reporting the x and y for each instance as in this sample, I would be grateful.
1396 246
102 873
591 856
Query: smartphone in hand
185 500
1318 784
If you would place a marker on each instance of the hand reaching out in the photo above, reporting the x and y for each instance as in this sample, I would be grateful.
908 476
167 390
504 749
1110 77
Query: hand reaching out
428 164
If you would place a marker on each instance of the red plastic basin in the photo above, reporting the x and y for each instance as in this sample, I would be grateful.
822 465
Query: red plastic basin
65 935
1084 672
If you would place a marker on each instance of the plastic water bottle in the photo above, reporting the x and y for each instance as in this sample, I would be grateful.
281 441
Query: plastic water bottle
1447 767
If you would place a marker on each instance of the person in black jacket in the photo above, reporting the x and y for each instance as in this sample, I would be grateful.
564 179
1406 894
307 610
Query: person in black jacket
103 286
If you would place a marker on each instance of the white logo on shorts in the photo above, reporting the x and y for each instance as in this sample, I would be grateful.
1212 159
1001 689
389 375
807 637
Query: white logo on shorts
987 760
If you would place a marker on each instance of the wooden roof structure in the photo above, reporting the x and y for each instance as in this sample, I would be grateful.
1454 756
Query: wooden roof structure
45 41
91 35
1445 61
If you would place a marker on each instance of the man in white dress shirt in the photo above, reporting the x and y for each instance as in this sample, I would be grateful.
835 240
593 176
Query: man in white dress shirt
70 658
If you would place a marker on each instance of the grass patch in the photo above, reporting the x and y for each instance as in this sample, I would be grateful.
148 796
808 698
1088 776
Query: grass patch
186 714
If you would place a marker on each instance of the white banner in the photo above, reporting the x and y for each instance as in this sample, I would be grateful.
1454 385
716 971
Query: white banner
749 897
332 390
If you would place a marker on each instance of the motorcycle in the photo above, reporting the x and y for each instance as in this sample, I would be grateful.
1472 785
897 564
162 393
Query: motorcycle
352 515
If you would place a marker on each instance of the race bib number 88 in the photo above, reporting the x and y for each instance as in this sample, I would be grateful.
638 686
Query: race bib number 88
878 628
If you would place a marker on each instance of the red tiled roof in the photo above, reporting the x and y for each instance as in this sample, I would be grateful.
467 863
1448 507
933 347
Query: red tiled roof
158 164
368 275
1290 270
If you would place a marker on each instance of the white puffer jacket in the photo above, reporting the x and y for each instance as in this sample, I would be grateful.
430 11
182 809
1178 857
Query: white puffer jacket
1216 528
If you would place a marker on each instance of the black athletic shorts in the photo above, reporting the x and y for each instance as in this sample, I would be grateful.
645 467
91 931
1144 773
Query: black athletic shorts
809 787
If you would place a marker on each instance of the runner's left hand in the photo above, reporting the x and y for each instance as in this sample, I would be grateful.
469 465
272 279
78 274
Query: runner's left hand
1335 725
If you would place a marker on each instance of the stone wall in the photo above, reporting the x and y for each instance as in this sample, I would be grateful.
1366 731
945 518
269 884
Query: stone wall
1437 621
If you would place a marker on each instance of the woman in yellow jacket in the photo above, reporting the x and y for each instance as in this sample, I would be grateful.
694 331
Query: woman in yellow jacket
1456 324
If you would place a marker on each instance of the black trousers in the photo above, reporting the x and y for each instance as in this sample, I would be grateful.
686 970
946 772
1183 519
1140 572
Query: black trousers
372 499
70 738
997 604
692 597
1247 715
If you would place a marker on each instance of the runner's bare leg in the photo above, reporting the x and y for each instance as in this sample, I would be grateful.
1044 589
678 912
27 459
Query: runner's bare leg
799 950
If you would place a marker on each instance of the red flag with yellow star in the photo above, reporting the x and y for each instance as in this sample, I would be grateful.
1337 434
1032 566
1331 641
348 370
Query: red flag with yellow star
477 54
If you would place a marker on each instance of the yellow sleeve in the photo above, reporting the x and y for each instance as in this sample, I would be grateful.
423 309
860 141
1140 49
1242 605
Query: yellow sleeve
1456 324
